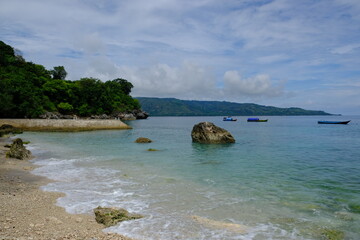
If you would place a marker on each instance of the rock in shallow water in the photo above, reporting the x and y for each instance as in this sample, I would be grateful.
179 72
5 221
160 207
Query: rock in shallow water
17 150
143 140
207 132
111 216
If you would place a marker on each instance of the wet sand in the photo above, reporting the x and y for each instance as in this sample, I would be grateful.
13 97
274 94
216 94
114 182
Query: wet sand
30 213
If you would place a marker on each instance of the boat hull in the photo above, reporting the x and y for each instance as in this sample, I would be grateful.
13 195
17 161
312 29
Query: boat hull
256 120
230 119
333 122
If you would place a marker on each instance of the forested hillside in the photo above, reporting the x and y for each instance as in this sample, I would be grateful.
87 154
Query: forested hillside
28 90
176 107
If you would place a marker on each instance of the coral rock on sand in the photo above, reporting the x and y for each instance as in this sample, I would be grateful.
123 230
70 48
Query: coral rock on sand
207 132
111 216
17 150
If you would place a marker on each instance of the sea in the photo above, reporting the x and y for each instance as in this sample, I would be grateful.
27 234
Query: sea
288 178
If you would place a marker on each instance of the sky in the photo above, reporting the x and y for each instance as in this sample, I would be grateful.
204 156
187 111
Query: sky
281 53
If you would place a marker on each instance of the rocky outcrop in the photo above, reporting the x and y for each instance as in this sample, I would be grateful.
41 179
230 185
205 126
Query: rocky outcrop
139 114
8 129
133 115
56 115
143 140
207 132
112 216
130 115
17 150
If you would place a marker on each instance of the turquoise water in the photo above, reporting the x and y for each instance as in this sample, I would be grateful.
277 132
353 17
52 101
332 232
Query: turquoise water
288 178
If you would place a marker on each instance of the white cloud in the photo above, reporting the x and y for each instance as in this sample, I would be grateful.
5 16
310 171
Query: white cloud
185 48
258 86
189 81
346 49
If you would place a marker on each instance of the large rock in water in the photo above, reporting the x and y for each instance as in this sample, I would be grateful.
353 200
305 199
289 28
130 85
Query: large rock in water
207 132
17 150
111 216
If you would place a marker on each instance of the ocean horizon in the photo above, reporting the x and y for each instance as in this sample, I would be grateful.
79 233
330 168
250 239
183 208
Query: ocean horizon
288 178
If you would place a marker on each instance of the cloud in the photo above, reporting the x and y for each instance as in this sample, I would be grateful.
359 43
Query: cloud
194 49
189 81
258 86
273 58
346 49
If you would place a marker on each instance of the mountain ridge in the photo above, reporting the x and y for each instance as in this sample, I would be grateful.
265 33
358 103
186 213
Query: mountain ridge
176 107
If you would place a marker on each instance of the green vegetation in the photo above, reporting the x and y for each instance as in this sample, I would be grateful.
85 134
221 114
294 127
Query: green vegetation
29 90
176 107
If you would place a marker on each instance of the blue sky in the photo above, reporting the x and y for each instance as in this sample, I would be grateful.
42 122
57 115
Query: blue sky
282 53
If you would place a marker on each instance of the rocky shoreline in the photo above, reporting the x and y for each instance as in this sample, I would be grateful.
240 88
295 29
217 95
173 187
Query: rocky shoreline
29 213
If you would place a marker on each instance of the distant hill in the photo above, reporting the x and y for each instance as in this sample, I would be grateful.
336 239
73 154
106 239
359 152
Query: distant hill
176 107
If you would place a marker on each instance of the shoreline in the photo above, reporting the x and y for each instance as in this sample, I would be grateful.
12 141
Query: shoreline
64 124
27 212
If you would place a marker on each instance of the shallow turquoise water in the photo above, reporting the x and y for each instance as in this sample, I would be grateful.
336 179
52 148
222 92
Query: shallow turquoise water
289 178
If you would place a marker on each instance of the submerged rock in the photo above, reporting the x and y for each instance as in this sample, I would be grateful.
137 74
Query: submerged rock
207 132
17 150
143 140
234 227
152 150
355 208
112 216
332 234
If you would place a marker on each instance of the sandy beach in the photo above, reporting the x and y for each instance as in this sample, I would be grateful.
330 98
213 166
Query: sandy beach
70 125
29 213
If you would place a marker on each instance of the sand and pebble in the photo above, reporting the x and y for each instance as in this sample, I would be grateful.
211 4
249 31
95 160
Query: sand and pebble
30 213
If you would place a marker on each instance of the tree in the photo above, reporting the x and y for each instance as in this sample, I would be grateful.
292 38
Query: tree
59 73
125 86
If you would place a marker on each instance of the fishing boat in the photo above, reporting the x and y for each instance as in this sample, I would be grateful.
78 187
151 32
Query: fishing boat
256 120
333 122
229 119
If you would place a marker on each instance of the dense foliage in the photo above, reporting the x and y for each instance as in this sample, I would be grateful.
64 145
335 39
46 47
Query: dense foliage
176 107
28 90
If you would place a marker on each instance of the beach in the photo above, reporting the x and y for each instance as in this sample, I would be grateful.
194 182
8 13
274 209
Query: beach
30 213
264 186
65 125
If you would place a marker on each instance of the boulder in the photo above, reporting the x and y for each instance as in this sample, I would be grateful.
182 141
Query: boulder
17 150
50 115
143 140
207 132
128 117
112 216
139 114
7 129
56 115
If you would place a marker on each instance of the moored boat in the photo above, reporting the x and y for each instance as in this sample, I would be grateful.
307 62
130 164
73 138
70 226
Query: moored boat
229 119
333 122
256 120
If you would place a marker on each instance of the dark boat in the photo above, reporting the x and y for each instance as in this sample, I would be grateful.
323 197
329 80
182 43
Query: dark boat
256 120
229 119
333 122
